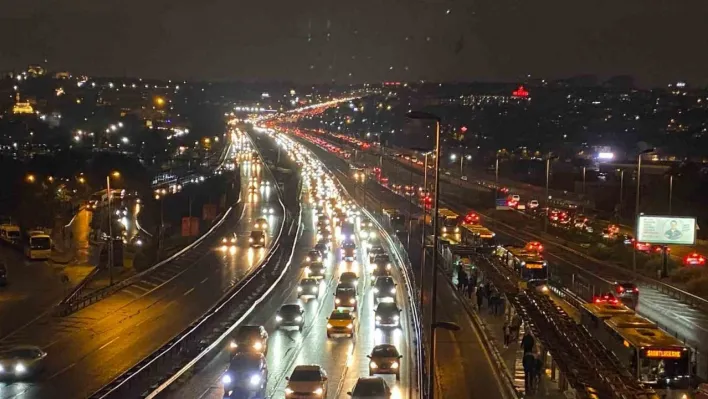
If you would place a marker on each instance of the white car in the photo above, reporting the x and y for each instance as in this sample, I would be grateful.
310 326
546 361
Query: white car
533 204
307 381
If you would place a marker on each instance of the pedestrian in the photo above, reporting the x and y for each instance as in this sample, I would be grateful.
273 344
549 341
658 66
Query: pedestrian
488 290
528 343
507 333
515 326
538 372
500 304
470 288
473 279
480 297
461 279
528 362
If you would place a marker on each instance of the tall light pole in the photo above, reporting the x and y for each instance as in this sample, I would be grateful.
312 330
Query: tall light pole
636 204
621 200
671 192
548 175
584 180
110 226
433 281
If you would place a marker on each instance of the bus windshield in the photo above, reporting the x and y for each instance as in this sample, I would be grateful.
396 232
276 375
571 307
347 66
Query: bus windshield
449 222
40 243
535 270
657 370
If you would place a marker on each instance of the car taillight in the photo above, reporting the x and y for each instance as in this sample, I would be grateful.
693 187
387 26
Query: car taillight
620 288
636 290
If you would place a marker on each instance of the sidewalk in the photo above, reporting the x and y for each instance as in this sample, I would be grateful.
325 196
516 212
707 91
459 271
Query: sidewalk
513 354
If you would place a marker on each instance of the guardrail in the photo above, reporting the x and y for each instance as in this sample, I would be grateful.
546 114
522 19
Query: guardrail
161 363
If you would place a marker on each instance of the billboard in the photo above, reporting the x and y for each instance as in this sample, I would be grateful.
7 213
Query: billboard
672 230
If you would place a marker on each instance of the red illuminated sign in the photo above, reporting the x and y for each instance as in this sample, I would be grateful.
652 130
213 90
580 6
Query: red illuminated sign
463 129
520 92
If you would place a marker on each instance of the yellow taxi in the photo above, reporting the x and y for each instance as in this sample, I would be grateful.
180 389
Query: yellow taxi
341 322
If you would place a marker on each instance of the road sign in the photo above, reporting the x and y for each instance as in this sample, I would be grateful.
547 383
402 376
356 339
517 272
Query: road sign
670 230
502 204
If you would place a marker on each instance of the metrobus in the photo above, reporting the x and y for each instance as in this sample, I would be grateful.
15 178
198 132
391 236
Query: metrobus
478 236
531 268
448 222
38 246
651 355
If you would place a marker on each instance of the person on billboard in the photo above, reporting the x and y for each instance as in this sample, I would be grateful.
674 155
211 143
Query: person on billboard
673 233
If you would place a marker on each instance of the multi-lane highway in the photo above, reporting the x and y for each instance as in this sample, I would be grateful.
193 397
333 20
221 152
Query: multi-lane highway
685 322
91 347
465 365
344 359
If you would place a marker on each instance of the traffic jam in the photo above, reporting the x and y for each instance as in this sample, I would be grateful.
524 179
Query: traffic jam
348 287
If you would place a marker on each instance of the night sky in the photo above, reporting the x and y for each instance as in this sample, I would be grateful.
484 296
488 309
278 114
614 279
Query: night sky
657 41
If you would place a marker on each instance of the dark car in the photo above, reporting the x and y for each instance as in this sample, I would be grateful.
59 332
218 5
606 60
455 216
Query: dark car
380 270
249 339
314 256
348 254
385 359
308 287
375 251
627 291
345 297
349 279
322 248
257 238
290 315
21 361
315 270
246 376
387 314
384 288
370 388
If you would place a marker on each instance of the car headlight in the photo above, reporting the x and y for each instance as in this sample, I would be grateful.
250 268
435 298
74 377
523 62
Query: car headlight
307 259
378 318
250 239
350 326
224 248
444 229
233 345
351 237
20 368
299 289
258 346
226 379
288 391
394 365
262 239
308 270
278 318
337 301
396 318
318 391
329 326
373 365
255 379
376 290
388 266
352 301
393 290
298 319
2 369
314 289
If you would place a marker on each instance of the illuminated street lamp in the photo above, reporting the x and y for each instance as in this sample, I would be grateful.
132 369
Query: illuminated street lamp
636 204
30 178
114 174
548 174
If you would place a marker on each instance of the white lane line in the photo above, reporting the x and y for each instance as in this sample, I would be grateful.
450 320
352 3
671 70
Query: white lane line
189 291
108 343
204 281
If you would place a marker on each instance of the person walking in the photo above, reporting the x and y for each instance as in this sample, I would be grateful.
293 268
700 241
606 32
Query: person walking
528 362
507 333
528 343
461 279
470 287
515 326
500 304
538 372
480 297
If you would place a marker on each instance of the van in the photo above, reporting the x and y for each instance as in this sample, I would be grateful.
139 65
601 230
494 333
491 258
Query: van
10 233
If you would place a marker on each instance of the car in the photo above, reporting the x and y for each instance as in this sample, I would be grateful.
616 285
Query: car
692 259
252 189
341 321
229 242
323 249
269 210
348 254
345 297
315 270
349 279
22 361
627 290
385 359
471 218
370 388
306 381
308 287
384 288
375 251
387 314
260 224
533 204
313 256
290 315
250 338
246 376
257 239
606 297
534 246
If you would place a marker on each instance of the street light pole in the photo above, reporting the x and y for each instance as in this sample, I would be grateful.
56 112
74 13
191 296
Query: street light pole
621 202
671 192
462 159
545 219
584 180
636 205
110 231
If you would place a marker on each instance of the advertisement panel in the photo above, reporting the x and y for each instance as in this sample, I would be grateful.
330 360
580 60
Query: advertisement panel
671 230
190 227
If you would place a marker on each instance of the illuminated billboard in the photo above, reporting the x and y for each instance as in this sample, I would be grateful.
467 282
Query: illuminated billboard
671 230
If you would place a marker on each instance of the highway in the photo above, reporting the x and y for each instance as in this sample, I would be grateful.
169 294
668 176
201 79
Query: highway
683 321
344 359
464 364
91 347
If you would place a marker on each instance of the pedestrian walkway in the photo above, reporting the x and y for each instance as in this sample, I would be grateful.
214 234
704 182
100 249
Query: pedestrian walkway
511 354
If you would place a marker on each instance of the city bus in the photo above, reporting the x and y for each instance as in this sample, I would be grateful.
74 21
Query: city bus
477 235
651 355
38 246
448 223
531 268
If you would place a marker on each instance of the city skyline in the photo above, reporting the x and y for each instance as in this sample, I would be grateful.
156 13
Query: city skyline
318 42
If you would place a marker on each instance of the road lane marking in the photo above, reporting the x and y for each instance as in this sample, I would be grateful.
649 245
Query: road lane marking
108 343
189 291
204 281
61 371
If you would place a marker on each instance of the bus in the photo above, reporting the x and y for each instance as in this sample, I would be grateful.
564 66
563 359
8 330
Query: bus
448 223
396 219
531 268
651 355
38 246
477 235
